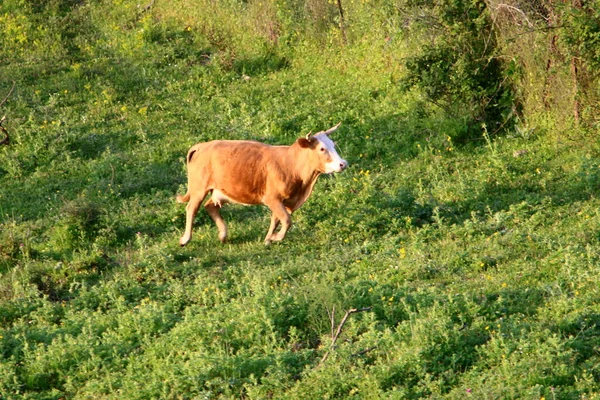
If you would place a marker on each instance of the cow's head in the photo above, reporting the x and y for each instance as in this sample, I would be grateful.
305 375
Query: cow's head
323 151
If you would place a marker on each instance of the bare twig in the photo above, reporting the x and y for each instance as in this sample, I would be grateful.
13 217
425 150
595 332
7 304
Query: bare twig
9 93
147 7
513 9
342 22
363 352
332 319
339 330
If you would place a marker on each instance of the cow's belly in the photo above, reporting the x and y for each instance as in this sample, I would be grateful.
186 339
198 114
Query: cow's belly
220 198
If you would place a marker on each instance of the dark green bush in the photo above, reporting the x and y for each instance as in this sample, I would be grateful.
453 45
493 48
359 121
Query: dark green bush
459 68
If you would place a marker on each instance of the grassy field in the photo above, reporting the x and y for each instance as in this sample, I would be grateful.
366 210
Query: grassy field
475 266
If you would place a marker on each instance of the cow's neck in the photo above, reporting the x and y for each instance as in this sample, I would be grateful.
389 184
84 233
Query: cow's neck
304 172
303 168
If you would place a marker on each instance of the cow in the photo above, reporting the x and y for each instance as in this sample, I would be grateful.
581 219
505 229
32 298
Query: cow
6 139
251 173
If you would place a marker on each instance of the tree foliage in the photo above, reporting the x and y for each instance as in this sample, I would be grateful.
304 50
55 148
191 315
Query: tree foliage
459 68
581 33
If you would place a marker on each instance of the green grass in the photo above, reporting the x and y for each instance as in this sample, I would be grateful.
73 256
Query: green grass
479 262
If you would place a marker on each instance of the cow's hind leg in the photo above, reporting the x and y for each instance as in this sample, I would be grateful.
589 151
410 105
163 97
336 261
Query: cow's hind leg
191 209
213 211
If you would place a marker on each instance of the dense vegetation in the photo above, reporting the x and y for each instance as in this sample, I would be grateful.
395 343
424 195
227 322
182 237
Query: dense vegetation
466 231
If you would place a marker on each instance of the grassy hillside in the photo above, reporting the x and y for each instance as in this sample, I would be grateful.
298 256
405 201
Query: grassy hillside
475 264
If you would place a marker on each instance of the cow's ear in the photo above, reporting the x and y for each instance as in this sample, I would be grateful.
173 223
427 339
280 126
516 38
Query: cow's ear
305 143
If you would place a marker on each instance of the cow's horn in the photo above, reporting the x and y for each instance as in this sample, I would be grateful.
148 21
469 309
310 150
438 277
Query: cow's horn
308 135
333 129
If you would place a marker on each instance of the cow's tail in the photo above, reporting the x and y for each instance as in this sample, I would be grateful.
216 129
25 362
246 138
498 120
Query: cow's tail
183 199
186 197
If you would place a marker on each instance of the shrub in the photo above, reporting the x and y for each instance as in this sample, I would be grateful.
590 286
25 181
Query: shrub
458 68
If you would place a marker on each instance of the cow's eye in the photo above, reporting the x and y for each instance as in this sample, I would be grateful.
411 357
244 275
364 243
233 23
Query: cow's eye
322 149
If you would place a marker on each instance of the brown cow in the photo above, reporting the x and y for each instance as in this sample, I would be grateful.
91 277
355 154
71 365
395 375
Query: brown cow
6 139
247 172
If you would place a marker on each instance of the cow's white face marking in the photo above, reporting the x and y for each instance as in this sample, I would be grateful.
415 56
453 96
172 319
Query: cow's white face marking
327 147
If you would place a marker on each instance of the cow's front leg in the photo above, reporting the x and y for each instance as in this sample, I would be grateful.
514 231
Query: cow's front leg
272 227
280 216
